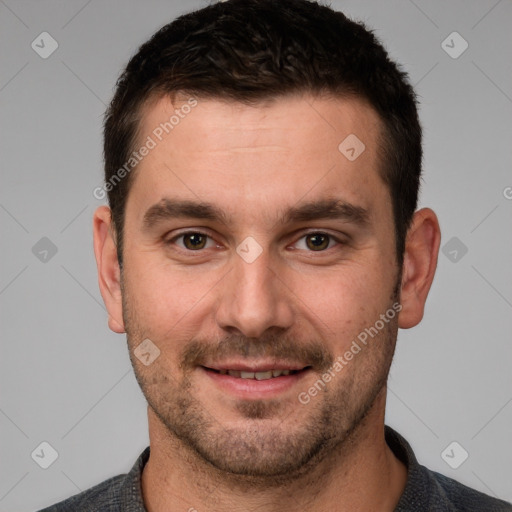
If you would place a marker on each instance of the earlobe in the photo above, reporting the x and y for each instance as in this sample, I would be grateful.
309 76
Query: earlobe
420 262
109 274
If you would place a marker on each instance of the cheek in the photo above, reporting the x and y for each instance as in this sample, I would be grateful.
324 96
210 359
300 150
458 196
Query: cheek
164 299
342 302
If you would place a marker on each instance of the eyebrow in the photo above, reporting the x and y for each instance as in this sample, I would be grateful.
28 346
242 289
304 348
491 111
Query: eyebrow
334 209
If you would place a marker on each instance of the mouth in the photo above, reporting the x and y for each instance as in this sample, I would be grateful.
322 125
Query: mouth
257 375
261 381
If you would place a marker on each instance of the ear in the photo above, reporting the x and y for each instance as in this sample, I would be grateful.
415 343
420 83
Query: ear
109 273
420 262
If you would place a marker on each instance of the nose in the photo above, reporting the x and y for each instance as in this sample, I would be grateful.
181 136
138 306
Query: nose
253 299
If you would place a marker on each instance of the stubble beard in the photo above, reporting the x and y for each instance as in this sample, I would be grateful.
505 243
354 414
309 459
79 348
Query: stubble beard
265 447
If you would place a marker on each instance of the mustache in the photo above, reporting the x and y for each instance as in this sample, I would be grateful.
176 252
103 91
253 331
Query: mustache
199 352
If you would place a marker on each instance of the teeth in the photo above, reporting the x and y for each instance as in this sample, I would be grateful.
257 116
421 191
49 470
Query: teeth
263 375
255 375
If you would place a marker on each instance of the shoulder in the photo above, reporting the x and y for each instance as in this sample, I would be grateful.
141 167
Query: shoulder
104 496
121 493
461 497
430 491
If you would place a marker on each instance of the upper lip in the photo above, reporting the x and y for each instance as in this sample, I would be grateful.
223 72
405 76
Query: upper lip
255 367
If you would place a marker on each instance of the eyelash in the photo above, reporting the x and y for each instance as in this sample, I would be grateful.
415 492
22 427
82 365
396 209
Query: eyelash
181 235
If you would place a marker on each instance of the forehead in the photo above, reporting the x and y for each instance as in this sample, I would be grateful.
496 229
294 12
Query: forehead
278 120
272 153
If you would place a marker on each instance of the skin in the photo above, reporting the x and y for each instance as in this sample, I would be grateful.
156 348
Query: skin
211 448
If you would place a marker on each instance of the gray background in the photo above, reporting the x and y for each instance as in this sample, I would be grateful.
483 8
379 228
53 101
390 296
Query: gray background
67 380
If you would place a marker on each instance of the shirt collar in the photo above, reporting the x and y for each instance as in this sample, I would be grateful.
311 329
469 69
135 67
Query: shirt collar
130 492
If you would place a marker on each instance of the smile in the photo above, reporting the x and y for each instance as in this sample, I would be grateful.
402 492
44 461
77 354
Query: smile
269 374
255 381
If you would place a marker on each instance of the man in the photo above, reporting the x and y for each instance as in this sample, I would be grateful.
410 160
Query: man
261 250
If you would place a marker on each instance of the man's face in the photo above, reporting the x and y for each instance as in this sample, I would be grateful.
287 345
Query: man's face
277 283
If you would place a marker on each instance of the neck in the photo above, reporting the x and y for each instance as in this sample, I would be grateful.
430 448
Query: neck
360 474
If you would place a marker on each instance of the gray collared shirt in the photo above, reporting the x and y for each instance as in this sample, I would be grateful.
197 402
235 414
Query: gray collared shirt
425 491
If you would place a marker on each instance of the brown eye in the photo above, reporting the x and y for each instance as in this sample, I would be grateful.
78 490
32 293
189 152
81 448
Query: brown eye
194 241
191 241
317 241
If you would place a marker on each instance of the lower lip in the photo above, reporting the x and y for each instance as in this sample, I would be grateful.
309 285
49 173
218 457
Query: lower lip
252 388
